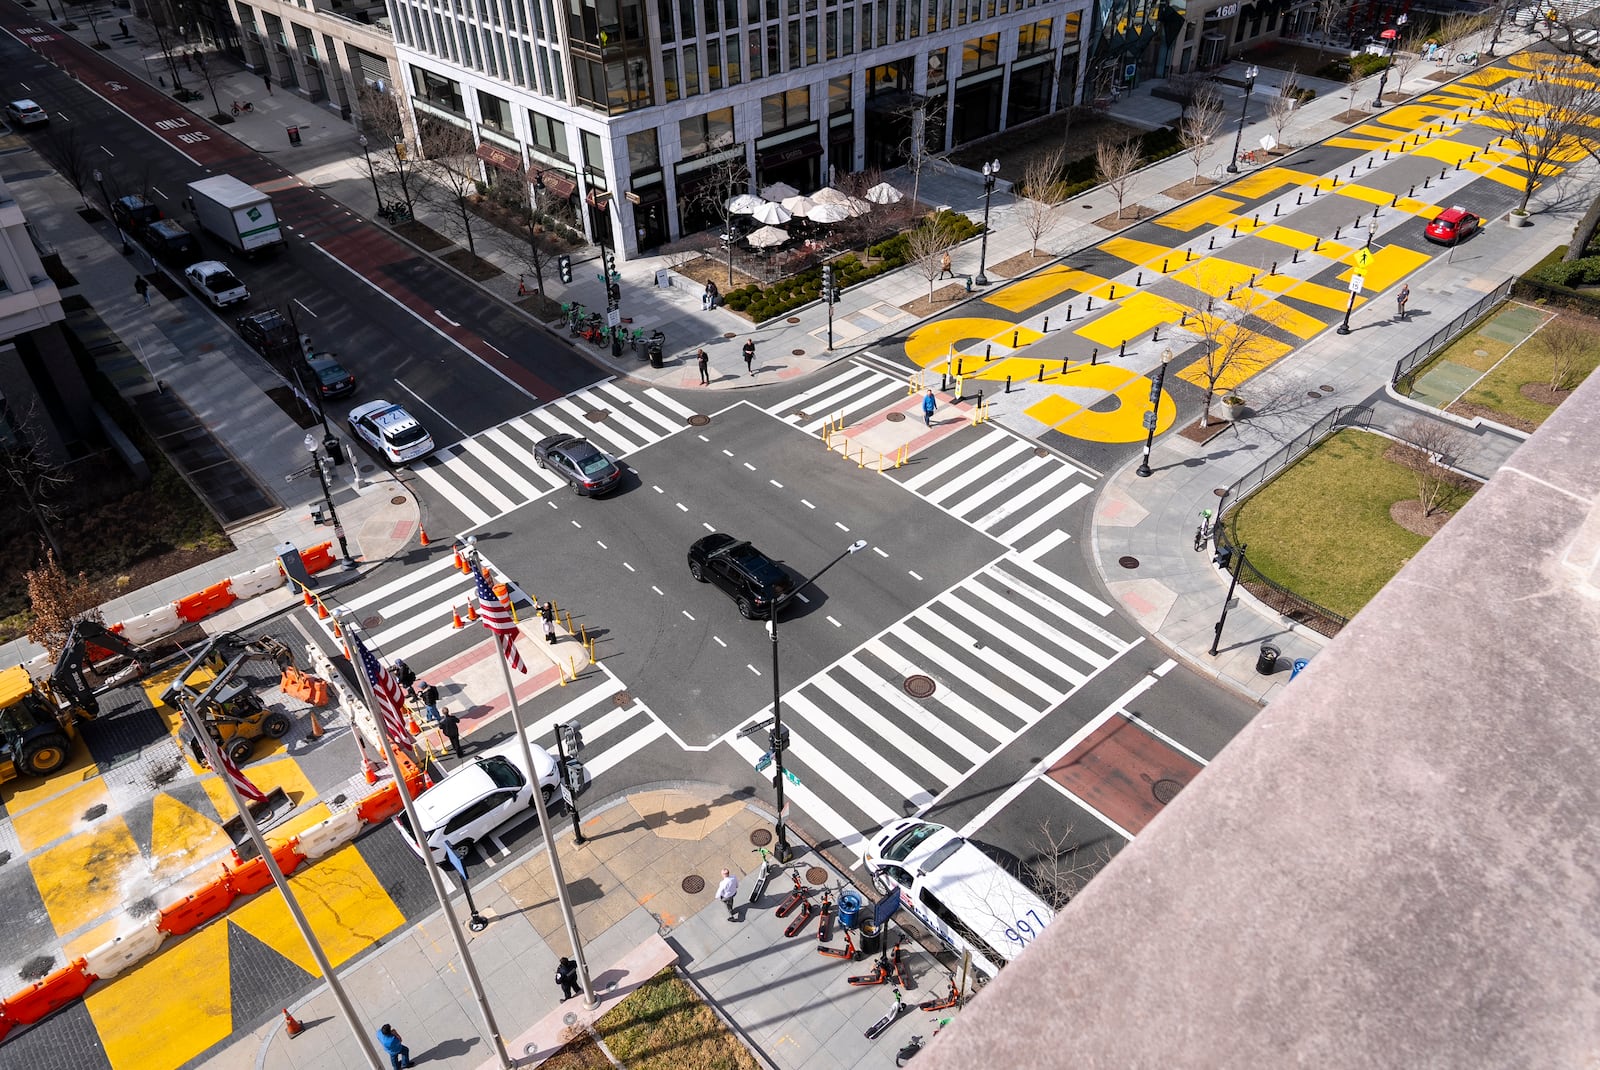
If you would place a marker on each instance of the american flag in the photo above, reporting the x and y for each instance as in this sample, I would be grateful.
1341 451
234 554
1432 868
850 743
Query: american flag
240 781
391 700
496 617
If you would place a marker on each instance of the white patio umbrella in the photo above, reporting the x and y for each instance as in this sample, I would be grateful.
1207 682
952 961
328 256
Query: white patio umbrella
778 191
829 195
744 203
828 213
883 193
857 206
771 213
799 204
767 236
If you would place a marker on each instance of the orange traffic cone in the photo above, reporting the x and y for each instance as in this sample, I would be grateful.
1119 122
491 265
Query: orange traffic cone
424 531
455 617
306 591
322 609
338 633
368 771
488 577
411 725
317 731
290 1025
472 611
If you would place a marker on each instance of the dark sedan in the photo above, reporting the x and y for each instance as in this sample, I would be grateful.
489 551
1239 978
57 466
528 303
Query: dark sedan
330 376
742 572
590 472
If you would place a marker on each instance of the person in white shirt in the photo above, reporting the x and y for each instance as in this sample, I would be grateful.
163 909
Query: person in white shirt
727 890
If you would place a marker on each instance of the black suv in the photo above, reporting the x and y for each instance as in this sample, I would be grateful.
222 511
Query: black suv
134 213
744 573
267 332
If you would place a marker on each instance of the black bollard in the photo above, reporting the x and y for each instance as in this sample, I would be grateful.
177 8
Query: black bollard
1089 304
1335 182
959 362
1186 255
1255 220
1396 201
1112 296
1252 285
1041 373
1413 192
1138 280
1230 294
944 381
1069 313
1335 233
1046 328
1163 265
1212 244
1235 230
1063 365
1386 155
1369 163
1008 384
1183 318
1275 209
1316 191
1444 172
986 357
1295 259
1094 356
1299 197
1155 335
1014 338
1274 270
1458 165
1316 243
1352 170
1123 351
1425 182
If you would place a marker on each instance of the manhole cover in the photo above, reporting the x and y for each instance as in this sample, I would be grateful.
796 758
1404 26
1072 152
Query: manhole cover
1313 394
919 686
398 499
1326 389
894 417
794 319
371 622
369 468
816 875
760 837
1165 790
1480 352
594 416
1040 451
621 700
1128 561
729 334
694 884
797 352
1221 492
699 420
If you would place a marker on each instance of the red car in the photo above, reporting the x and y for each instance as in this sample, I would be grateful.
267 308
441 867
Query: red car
1452 225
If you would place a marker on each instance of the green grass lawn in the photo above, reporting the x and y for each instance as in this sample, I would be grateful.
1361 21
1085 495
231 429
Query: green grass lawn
665 1026
1322 528
1501 390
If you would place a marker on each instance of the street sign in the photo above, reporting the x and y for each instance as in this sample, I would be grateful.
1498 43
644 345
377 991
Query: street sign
763 761
613 317
792 776
1356 282
566 796
1363 258
884 908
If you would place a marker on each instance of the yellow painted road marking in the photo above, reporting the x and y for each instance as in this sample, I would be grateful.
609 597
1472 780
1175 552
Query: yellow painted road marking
1212 209
932 342
1292 320
1294 239
1445 151
1135 252
1123 424
169 1008
180 837
26 792
1364 144
86 877
1025 293
1314 293
1252 356
1389 265
1214 275
346 905
1133 318
1357 191
55 818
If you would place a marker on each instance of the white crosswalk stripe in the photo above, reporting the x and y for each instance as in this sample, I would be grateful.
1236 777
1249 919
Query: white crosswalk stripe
853 395
493 472
1002 652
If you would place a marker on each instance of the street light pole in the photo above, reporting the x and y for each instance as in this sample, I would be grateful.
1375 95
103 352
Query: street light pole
362 140
1238 566
991 173
776 740
1383 78
1155 410
327 496
1250 74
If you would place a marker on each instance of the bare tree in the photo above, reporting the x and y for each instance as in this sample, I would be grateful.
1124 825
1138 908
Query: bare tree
533 249
1548 122
1201 125
1115 160
1282 108
206 72
57 601
1404 58
1431 449
1325 16
1061 864
1567 345
926 247
450 160
724 180
1352 83
1454 31
1230 347
1041 178
389 151
1574 37
27 466
920 115
71 158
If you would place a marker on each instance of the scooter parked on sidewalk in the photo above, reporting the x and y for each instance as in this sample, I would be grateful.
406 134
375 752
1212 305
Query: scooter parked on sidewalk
879 976
800 894
800 919
950 999
768 867
900 1009
848 951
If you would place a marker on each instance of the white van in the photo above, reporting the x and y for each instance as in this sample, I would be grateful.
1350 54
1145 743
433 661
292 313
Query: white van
962 895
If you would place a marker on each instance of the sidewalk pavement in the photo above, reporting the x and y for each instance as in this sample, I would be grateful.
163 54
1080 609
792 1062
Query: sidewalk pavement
1177 591
633 905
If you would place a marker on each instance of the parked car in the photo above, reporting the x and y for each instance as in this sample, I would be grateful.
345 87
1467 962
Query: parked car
331 377
167 240
740 571
134 213
477 798
590 472
26 113
1453 225
216 283
391 431
267 332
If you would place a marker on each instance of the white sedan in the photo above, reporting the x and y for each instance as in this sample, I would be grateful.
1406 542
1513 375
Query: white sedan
392 431
216 283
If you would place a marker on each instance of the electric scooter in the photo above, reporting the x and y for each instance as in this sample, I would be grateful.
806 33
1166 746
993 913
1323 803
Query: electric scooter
768 867
939 1003
800 894
800 919
848 951
825 915
902 972
881 1026
879 976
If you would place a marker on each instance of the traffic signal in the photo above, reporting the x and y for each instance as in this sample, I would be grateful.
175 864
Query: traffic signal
317 516
827 283
614 294
572 737
564 265
305 346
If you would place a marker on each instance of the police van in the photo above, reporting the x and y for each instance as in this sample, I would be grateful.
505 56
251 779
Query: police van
962 895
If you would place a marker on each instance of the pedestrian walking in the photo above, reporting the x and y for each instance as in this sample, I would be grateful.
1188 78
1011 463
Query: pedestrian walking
944 266
547 613
123 25
429 696
141 286
749 354
266 80
928 405
450 725
186 65
399 1054
567 978
405 675
704 362
1402 297
727 890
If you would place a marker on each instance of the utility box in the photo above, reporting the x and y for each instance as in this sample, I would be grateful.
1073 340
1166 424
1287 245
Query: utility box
294 569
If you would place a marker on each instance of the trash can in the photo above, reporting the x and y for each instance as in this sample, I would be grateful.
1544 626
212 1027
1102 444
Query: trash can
871 942
294 135
849 909
1267 660
1299 663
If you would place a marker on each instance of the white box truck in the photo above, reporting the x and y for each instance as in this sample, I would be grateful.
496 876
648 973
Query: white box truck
236 212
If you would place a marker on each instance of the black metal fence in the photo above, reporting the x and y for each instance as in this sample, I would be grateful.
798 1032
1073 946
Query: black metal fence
1272 593
1443 337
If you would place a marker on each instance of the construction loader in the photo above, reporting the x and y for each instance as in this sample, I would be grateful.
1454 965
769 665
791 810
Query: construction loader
229 709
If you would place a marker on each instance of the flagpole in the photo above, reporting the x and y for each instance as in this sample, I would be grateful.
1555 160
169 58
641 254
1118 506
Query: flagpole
347 1010
562 895
428 863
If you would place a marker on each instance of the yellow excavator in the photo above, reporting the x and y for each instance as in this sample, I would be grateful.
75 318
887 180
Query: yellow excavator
231 711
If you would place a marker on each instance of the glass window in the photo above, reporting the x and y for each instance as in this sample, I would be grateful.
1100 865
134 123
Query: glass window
774 49
437 90
644 152
794 45
710 132
866 26
772 9
730 14
494 113
839 94
731 57
669 74
980 53
752 11
1072 21
710 12
1034 39
691 70
754 53
686 28
713 64
938 67
664 13
781 111
594 156
811 40
847 35
914 23
830 22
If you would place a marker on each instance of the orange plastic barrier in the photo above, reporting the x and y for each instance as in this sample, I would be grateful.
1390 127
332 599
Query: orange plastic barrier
381 805
248 878
42 997
304 686
199 908
206 602
318 557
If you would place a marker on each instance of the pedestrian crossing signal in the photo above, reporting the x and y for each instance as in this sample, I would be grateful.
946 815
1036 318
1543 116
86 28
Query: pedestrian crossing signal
564 265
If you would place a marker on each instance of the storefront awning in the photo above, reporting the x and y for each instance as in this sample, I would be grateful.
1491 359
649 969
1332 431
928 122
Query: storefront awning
555 183
495 156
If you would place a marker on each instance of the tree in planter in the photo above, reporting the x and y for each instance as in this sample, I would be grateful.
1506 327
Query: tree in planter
919 114
159 21
724 180
1567 345
218 116
1430 449
1227 345
1352 83
1548 124
510 193
1201 125
927 245
1282 107
57 601
1115 160
450 161
71 159
392 163
1041 178
1407 54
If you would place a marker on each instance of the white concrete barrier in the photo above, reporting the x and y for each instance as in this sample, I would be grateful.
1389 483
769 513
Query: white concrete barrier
152 625
124 950
259 580
330 834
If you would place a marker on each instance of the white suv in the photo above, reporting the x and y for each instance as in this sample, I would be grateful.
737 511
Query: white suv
477 798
